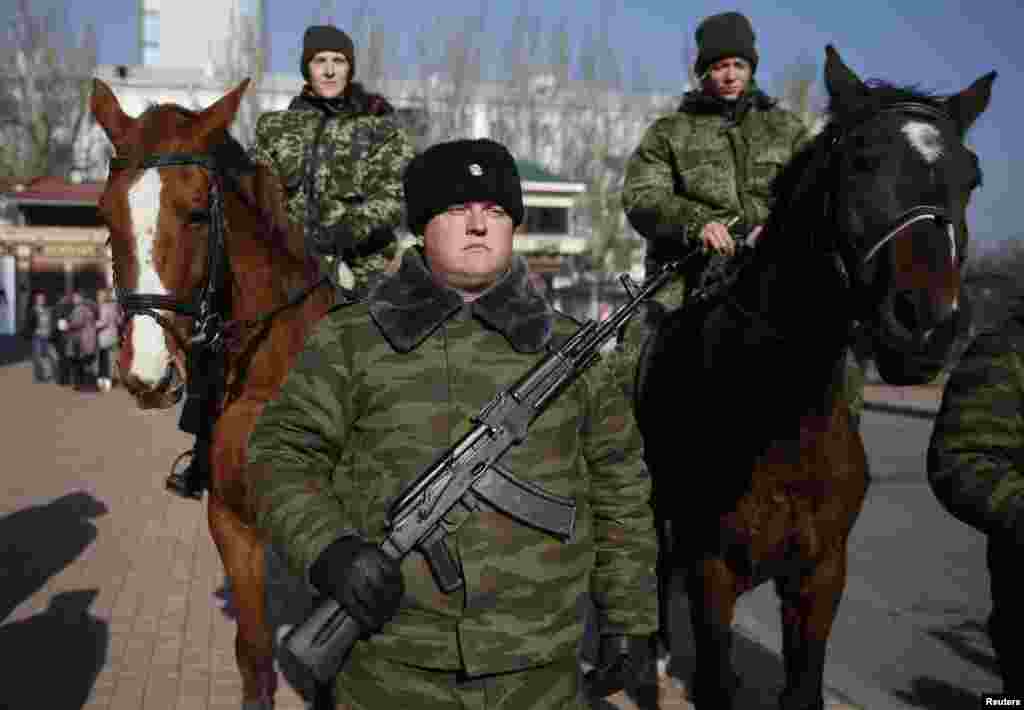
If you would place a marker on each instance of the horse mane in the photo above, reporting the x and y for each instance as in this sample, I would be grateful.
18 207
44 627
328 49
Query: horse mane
881 94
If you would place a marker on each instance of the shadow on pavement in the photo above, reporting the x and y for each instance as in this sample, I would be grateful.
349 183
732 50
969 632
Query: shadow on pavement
39 541
52 659
963 639
937 694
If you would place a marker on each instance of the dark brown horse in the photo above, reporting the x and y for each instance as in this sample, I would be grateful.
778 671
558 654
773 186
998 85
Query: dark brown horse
759 471
205 262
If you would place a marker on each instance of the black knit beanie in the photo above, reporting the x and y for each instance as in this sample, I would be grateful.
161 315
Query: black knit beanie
728 34
326 38
455 172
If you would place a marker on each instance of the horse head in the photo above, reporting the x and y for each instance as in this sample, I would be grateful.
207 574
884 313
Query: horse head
903 178
163 207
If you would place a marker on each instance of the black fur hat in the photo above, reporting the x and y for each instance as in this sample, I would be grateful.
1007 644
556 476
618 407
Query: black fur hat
728 34
326 38
460 171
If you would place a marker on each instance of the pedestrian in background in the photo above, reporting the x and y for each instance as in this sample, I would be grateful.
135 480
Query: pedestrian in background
62 339
39 329
82 340
106 338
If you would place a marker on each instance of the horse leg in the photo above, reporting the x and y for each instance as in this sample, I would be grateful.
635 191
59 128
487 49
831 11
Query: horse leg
668 592
809 606
713 591
242 553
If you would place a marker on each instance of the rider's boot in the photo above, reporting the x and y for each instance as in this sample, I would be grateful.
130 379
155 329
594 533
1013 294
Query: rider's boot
194 479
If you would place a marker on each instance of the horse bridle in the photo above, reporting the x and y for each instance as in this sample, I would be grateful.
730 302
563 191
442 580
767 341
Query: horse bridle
911 216
207 325
843 250
209 328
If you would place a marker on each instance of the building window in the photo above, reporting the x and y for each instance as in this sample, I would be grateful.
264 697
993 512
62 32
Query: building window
547 220
150 36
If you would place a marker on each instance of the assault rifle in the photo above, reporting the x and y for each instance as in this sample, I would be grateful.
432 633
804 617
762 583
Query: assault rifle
468 470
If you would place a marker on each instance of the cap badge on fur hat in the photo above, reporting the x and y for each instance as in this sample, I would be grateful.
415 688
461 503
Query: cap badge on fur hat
475 169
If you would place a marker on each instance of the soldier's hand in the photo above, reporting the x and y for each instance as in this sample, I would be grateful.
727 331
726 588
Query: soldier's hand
622 660
715 236
365 581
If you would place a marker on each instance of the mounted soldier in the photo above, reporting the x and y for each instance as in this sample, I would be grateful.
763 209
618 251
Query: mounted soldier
340 154
703 175
702 178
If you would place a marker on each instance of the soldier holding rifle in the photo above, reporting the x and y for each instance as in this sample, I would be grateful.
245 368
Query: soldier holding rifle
384 386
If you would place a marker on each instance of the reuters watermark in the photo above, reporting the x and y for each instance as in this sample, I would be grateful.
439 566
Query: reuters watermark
1001 701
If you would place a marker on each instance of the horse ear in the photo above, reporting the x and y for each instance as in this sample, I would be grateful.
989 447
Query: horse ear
221 114
107 110
844 87
966 106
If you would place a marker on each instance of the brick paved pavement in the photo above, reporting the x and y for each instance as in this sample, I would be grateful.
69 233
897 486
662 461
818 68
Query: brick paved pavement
156 637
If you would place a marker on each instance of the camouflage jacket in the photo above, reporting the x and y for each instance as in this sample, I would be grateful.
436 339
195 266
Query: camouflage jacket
385 385
976 453
710 161
358 182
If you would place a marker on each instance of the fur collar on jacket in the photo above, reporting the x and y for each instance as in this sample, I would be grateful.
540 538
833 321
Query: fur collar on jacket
409 305
356 100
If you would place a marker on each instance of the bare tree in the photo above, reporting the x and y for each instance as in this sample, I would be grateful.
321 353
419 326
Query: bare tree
242 56
45 79
451 65
798 90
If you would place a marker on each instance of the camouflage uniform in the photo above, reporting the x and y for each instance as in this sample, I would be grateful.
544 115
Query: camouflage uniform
380 389
975 470
711 161
362 153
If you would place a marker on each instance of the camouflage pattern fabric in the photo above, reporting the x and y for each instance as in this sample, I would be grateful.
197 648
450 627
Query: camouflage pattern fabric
976 448
370 682
381 388
362 155
974 469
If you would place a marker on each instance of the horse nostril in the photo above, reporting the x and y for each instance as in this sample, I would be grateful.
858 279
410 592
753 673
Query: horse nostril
904 311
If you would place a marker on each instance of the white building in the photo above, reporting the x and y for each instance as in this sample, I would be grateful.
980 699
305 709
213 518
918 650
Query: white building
186 34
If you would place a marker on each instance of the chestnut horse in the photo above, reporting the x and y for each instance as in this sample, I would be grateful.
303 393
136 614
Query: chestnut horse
206 263
759 471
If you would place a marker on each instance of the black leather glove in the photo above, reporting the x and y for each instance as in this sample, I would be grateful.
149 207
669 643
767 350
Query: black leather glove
621 661
365 581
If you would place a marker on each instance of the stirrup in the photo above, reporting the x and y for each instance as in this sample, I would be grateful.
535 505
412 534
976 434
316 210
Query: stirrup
185 484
